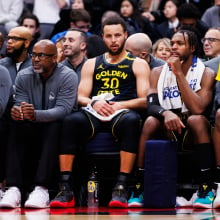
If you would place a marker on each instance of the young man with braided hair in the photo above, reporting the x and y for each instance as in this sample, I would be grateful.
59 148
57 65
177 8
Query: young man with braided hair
180 92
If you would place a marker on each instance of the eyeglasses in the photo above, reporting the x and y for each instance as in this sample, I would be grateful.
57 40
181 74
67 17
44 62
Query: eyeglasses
210 39
15 39
41 56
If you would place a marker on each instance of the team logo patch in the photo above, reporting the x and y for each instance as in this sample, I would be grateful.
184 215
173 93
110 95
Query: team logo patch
100 66
51 96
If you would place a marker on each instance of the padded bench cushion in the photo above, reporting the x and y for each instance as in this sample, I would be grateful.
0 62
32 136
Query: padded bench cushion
160 175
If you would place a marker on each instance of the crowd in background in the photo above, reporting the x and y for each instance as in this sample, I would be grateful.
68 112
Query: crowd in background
157 19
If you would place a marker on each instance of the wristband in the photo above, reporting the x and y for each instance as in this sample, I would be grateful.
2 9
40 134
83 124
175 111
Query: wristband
153 106
152 99
156 111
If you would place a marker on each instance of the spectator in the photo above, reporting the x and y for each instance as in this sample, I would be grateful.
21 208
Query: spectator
98 8
140 45
135 22
34 132
48 14
156 14
74 49
65 17
97 30
162 48
129 88
189 18
108 14
60 54
18 42
154 11
10 12
79 18
170 116
31 22
211 16
211 43
171 20
129 11
76 4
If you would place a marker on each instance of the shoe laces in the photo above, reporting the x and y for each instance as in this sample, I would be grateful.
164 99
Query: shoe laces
203 190
64 193
138 190
12 190
119 191
61 193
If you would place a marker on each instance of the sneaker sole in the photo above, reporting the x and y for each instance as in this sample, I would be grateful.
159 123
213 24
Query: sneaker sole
117 204
216 206
32 206
202 206
58 204
135 205
8 205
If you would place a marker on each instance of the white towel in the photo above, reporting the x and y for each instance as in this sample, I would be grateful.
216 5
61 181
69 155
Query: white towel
104 96
168 91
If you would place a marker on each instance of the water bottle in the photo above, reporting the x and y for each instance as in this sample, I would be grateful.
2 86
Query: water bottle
93 189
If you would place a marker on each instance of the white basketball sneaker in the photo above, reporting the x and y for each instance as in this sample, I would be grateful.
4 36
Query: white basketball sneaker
38 198
11 198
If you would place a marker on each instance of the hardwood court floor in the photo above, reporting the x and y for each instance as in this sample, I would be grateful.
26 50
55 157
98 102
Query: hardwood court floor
108 214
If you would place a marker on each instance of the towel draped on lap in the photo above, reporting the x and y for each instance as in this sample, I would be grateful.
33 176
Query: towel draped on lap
107 97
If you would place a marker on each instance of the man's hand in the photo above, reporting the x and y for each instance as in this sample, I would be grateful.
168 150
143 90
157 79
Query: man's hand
175 64
16 113
172 122
103 108
28 111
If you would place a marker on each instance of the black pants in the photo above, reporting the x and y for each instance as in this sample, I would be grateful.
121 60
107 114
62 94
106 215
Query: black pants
78 127
32 153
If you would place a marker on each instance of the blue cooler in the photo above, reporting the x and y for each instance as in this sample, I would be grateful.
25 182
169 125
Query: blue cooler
160 175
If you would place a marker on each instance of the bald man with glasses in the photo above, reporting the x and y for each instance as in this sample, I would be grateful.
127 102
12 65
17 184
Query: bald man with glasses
45 93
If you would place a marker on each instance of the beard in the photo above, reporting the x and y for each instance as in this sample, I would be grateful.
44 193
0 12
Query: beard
72 54
38 71
117 52
17 52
